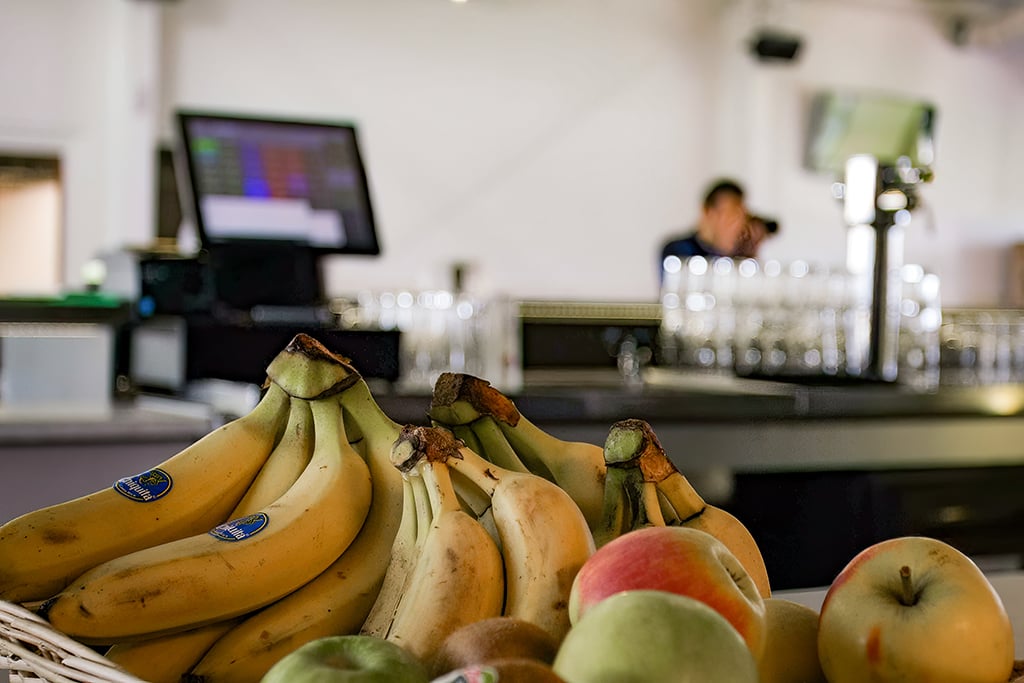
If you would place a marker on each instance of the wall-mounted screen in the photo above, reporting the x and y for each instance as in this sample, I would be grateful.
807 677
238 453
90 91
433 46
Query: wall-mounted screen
886 126
265 180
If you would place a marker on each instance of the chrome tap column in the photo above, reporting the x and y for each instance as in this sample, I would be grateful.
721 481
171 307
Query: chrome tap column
877 204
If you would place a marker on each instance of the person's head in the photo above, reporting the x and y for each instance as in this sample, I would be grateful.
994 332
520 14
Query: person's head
724 217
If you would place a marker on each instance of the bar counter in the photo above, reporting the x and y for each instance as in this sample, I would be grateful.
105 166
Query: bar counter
706 420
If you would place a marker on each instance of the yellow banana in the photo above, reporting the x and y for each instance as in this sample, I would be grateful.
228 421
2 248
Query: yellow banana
285 463
236 567
475 501
165 659
632 444
458 577
42 551
544 540
412 532
577 467
338 600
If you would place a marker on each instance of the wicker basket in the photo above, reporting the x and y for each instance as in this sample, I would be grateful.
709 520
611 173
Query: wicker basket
32 652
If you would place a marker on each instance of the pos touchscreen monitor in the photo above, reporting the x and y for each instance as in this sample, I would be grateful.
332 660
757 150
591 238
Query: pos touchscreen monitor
265 181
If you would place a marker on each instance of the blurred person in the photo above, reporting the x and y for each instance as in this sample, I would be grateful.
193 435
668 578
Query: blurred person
720 229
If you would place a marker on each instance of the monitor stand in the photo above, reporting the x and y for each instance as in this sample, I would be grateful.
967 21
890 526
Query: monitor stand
267 277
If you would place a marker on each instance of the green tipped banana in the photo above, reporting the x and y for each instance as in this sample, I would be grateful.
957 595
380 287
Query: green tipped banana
577 467
307 369
663 495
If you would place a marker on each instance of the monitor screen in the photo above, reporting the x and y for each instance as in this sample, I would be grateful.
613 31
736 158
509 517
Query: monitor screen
885 126
276 180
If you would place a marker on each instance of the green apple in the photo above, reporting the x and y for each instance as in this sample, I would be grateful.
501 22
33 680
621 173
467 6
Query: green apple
348 659
643 636
914 609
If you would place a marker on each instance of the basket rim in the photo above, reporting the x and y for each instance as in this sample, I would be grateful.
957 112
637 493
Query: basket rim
28 643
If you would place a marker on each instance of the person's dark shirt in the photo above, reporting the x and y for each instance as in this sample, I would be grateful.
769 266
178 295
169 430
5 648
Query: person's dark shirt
687 246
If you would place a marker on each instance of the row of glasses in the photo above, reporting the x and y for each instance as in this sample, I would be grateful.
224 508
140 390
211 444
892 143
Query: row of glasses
982 346
771 318
441 331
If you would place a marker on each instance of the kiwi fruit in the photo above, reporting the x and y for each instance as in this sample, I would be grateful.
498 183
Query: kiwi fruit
493 639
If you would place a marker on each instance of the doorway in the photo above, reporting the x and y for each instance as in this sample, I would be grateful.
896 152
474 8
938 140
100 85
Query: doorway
31 225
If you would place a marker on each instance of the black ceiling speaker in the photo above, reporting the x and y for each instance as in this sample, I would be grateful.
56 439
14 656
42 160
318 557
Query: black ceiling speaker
775 46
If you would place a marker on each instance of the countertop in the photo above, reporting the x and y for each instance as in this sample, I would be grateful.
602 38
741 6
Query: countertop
708 421
701 419
688 396
146 420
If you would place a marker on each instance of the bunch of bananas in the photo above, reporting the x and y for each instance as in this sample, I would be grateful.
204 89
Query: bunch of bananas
513 541
254 540
316 514
628 483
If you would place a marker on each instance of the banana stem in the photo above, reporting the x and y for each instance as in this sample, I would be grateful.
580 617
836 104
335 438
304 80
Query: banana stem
616 515
438 480
625 442
483 474
535 447
496 447
669 513
424 511
466 434
428 474
650 506
379 430
907 596
684 498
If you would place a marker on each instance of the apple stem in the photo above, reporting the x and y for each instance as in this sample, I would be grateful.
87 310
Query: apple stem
907 596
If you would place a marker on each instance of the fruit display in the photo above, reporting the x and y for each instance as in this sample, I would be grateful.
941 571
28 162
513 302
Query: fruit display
317 539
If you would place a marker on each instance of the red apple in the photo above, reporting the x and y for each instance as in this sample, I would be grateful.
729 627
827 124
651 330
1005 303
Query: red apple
914 609
678 560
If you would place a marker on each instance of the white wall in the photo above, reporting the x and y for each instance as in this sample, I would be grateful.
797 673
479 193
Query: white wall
77 82
552 143
555 144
